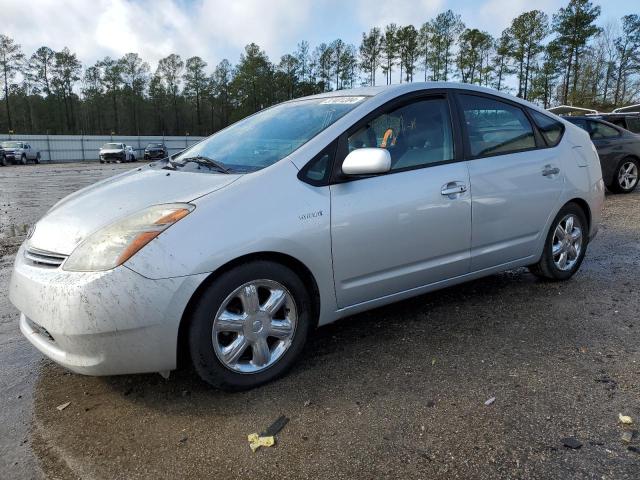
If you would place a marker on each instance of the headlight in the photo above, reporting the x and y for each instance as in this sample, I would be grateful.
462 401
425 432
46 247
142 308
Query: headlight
116 243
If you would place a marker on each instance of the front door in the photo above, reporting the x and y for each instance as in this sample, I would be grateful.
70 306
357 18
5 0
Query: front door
412 226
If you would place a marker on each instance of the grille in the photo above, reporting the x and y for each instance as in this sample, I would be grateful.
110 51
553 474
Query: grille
44 258
112 155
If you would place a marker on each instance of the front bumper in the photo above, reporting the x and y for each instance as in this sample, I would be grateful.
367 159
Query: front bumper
112 156
103 323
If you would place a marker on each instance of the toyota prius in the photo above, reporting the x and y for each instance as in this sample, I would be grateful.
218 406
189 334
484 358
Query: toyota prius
231 252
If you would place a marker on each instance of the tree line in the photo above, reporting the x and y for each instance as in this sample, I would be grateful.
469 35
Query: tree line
563 59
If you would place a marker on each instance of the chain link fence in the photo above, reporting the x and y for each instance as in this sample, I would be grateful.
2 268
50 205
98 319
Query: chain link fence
84 148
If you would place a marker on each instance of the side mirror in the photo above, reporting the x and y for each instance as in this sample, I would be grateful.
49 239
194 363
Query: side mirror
367 161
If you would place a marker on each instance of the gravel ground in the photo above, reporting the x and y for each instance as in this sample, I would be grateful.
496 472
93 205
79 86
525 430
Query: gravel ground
398 392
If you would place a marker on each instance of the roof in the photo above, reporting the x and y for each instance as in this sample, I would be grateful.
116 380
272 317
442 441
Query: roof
565 109
628 109
394 90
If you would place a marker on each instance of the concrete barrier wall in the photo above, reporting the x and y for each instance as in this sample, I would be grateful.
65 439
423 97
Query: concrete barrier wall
79 148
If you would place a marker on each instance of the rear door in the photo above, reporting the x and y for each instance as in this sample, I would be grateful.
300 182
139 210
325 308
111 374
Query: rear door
515 183
611 147
412 226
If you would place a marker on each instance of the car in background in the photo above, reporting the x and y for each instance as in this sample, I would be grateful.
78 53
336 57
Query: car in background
17 151
131 154
116 152
155 150
628 121
618 149
234 250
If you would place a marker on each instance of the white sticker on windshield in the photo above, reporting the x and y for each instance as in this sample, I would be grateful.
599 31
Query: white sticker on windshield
341 100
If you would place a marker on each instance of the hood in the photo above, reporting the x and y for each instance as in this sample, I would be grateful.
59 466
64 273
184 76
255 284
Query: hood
111 150
74 218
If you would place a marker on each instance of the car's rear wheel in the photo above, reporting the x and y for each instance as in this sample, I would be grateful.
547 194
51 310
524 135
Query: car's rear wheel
3 160
37 160
565 246
23 159
625 179
249 326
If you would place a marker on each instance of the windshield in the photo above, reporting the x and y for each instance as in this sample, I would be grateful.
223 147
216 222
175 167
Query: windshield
112 146
268 136
11 144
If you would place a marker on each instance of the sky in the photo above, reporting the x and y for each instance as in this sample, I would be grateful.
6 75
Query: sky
217 29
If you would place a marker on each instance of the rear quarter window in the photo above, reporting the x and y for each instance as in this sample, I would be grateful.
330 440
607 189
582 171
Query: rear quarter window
633 124
550 129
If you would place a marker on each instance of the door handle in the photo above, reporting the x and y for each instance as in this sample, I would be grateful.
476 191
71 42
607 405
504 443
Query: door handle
549 170
453 188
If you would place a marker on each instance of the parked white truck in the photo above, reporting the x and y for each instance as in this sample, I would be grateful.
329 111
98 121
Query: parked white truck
16 151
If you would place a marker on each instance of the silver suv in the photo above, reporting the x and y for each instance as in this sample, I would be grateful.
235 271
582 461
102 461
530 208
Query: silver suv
20 152
117 153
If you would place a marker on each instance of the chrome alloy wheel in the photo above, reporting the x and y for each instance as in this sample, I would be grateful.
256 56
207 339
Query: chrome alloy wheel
567 242
255 326
628 175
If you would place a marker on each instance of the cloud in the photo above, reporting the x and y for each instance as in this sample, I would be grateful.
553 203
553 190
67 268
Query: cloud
213 29
401 12
496 15
217 29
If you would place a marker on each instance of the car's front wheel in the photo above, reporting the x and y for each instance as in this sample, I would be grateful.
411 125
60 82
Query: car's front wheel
565 246
626 178
3 160
250 325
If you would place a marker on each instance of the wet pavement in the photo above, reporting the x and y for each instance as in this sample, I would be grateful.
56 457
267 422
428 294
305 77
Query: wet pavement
26 193
398 392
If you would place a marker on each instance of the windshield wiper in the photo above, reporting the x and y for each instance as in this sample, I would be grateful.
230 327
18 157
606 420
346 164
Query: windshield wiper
203 161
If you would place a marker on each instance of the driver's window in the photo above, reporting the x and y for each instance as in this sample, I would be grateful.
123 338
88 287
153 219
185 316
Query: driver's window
417 134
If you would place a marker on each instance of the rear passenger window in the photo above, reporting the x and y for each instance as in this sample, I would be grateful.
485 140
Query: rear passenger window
416 135
550 129
495 127
600 130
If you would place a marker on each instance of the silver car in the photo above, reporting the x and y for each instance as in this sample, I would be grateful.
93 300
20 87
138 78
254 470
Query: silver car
19 152
237 248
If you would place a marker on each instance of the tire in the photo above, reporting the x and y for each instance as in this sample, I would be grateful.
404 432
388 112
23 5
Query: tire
249 371
550 266
23 159
37 160
101 161
3 161
133 158
625 178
